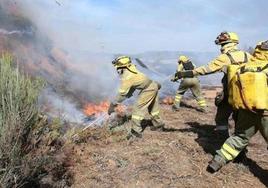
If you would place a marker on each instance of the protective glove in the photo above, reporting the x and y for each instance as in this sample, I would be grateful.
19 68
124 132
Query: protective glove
158 85
184 74
174 78
219 98
111 108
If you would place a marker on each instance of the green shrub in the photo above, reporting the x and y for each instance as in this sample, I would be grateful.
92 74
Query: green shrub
18 114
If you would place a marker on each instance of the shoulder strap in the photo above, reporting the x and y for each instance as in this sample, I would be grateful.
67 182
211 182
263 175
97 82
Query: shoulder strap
265 67
242 69
246 57
230 57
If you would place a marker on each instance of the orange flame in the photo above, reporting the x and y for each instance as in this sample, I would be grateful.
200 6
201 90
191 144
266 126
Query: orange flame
168 100
91 109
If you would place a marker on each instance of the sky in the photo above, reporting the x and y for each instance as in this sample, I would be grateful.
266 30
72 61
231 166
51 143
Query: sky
125 26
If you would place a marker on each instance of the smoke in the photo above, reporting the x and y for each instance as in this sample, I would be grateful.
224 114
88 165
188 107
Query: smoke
71 27
61 107
68 27
56 41
65 42
15 32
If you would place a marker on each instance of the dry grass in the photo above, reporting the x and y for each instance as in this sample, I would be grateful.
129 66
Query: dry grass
175 158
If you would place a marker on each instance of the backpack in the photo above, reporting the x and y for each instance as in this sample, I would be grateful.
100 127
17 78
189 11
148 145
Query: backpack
247 86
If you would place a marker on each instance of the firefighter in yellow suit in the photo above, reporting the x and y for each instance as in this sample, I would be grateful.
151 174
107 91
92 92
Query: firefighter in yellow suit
230 54
193 84
147 102
249 122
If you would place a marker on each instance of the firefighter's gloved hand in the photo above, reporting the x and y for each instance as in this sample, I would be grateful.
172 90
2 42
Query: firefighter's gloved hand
184 74
111 108
158 85
219 98
173 79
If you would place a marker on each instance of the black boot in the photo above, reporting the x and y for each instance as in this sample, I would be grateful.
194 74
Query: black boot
216 164
157 128
203 110
175 108
222 134
133 134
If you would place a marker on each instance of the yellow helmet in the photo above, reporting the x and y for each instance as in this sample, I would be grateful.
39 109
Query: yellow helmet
183 59
261 51
227 37
124 62
121 61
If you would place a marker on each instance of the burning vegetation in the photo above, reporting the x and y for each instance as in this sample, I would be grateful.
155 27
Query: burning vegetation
91 109
38 150
95 110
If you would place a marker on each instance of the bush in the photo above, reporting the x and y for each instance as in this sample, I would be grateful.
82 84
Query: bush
18 115
31 149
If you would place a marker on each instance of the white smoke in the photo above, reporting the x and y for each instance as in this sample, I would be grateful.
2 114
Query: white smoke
61 107
15 32
71 26
47 25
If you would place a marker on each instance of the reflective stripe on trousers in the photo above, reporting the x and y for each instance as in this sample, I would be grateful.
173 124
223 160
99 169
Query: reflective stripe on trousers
228 152
137 117
178 98
202 103
156 113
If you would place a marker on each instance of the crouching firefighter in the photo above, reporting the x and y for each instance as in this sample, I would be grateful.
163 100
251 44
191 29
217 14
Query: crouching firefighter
248 93
147 102
193 84
230 54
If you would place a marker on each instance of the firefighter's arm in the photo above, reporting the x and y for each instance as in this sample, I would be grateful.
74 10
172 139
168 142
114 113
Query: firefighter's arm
180 67
123 94
215 65
175 77
125 91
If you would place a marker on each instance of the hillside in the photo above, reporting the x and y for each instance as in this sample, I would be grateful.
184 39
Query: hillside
175 158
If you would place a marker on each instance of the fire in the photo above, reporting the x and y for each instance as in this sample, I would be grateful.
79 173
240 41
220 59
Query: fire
168 100
91 109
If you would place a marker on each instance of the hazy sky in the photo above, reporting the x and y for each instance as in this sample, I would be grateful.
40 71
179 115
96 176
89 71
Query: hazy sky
131 26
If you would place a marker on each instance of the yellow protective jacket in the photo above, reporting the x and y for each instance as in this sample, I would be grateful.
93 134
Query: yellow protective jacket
131 81
230 55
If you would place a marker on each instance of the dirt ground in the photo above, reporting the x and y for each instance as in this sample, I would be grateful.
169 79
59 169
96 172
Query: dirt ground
177 157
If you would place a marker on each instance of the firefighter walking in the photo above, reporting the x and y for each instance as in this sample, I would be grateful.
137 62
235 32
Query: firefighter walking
250 97
147 102
185 64
230 54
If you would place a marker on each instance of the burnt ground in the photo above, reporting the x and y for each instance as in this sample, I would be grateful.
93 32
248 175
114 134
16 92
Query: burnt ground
177 157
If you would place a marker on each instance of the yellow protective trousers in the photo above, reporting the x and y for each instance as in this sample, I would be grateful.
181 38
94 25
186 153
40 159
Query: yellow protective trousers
147 103
247 125
194 85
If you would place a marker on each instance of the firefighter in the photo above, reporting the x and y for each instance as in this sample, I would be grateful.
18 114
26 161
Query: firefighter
184 63
249 121
230 54
147 102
